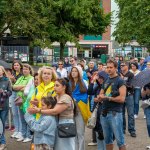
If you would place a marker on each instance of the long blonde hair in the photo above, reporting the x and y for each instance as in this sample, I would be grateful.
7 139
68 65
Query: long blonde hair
40 72
4 71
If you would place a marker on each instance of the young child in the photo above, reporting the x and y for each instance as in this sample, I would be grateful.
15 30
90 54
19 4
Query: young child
44 129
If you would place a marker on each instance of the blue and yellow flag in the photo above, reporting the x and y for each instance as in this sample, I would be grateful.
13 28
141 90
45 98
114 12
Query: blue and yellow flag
82 102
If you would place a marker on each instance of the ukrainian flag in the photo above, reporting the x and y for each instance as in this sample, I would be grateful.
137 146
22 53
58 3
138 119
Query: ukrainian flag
83 103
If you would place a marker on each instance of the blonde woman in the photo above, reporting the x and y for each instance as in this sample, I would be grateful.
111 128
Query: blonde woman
5 92
47 78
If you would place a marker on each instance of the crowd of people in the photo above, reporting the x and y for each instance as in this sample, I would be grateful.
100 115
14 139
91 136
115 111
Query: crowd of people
45 103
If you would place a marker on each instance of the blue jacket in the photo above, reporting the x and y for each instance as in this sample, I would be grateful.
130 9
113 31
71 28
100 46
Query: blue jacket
44 129
142 67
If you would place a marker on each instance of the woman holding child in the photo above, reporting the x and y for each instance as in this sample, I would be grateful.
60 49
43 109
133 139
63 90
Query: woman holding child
65 111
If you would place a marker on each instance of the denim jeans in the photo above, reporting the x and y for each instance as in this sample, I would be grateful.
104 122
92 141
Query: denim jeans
129 104
15 113
25 128
100 143
3 117
147 113
137 94
112 123
64 143
80 140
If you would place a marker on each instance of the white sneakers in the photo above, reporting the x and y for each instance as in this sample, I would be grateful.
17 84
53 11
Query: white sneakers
27 140
135 116
19 135
14 135
144 117
3 147
92 144
148 147
21 138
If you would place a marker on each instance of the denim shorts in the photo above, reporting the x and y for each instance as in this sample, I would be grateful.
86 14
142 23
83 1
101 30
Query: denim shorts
112 125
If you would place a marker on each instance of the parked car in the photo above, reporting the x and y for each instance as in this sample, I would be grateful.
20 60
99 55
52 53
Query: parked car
40 59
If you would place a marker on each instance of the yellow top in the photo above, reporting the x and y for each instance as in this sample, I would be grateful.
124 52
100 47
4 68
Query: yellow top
42 91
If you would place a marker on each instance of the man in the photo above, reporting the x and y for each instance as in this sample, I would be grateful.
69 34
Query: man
112 95
73 62
136 60
100 67
90 71
127 76
142 65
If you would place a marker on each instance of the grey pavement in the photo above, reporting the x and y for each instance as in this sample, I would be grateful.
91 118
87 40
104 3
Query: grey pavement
138 143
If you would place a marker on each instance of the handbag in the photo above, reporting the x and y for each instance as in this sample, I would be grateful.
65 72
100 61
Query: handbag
66 130
18 101
92 120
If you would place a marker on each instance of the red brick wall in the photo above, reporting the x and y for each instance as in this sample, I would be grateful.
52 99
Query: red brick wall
107 8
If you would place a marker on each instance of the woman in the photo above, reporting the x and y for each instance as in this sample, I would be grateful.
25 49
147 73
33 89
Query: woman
84 75
5 92
65 111
47 78
94 89
19 86
137 90
61 70
79 93
67 65
29 91
16 74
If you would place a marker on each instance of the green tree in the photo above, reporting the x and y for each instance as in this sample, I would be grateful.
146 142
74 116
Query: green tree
134 21
47 21
71 18
25 18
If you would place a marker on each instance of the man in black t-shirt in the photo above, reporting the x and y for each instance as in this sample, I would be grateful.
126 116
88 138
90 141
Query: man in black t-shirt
127 76
112 96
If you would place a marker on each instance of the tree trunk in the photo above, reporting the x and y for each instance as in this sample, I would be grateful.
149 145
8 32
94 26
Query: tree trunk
31 62
62 47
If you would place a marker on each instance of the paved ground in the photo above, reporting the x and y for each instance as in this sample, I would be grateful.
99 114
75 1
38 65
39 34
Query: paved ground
138 143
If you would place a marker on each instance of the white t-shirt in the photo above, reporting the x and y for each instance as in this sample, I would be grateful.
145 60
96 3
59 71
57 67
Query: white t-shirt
63 72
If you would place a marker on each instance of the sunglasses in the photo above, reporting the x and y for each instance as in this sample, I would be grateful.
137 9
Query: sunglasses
60 64
122 65
71 60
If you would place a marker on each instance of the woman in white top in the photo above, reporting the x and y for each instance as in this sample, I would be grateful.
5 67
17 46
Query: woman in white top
137 90
62 70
